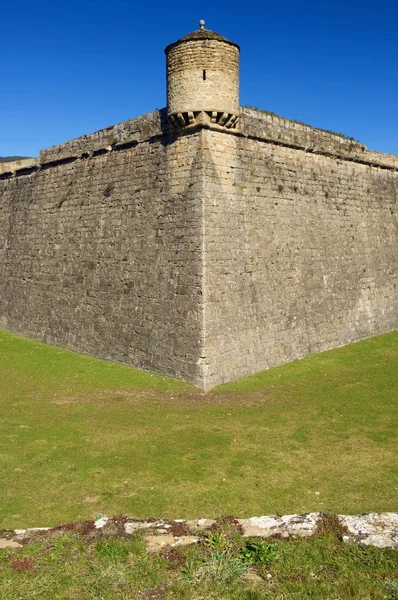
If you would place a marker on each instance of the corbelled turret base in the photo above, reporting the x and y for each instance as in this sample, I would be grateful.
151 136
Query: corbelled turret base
223 119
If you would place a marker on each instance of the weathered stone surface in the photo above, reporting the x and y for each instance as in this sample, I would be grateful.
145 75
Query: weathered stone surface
4 543
129 255
299 253
155 543
301 525
374 529
131 528
135 130
205 523
263 125
100 523
203 75
22 533
103 256
18 165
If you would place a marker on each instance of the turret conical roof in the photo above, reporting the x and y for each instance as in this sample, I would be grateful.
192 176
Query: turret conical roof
201 34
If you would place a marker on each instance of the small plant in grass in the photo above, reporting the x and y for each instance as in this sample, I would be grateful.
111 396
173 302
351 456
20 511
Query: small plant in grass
225 533
175 558
216 540
23 564
218 558
113 549
248 595
330 524
392 587
259 551
223 566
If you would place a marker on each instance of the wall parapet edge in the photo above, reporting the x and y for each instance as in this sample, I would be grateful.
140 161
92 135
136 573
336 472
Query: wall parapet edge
133 130
19 165
117 137
254 124
283 132
366 157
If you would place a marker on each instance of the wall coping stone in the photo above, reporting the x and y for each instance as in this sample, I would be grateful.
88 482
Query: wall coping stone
18 165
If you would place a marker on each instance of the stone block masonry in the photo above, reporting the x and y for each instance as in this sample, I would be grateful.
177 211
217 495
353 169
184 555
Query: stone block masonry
102 254
203 78
205 254
300 251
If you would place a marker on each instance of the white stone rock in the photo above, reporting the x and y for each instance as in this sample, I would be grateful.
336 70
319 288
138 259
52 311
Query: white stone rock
373 529
130 528
9 544
158 542
205 522
302 525
101 522
30 530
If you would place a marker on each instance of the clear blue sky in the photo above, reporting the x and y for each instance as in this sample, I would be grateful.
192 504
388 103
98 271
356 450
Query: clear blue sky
72 67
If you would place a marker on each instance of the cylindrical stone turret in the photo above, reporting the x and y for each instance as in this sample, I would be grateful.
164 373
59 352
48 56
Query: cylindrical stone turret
203 76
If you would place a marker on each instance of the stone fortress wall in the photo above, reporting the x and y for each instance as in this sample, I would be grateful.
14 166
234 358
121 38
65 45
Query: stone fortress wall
300 249
100 248
207 246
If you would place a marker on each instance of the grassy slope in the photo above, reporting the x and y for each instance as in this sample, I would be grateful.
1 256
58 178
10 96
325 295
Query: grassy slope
81 437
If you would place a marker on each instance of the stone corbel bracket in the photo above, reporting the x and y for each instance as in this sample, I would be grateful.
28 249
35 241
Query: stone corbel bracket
184 120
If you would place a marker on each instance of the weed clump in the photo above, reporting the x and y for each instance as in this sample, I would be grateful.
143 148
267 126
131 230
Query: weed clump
260 551
222 566
330 525
226 532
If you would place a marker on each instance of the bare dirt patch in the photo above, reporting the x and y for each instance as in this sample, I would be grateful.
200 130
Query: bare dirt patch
91 499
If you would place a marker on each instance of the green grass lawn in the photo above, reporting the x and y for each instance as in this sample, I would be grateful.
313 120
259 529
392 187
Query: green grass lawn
81 437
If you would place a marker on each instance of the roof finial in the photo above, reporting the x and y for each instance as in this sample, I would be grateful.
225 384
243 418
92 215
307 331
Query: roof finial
202 24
